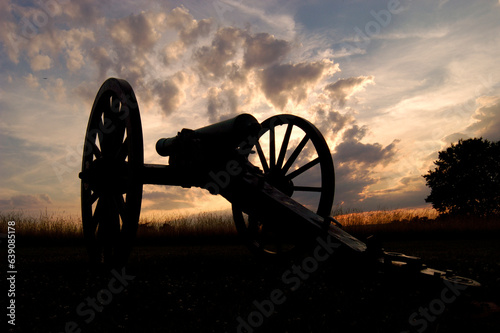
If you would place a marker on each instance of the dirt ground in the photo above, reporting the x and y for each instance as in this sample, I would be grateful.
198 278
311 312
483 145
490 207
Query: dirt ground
223 288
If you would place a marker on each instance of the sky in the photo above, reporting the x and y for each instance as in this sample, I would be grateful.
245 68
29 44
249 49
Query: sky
389 83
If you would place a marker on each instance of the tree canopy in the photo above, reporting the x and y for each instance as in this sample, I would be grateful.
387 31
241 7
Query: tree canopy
466 180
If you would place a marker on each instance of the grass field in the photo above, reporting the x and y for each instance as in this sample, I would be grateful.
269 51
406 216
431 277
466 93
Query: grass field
206 280
400 222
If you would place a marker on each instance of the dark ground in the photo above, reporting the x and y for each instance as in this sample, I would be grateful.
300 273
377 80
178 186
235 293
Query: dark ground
205 288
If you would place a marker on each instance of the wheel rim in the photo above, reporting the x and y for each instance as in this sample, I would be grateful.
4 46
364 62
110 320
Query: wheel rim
111 190
290 167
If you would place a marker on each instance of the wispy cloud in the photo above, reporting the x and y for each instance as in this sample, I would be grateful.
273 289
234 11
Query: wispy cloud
486 118
26 202
341 90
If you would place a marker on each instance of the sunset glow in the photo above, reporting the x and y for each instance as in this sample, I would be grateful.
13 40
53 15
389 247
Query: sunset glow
389 83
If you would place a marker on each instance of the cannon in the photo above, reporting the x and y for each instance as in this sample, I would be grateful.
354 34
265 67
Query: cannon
278 175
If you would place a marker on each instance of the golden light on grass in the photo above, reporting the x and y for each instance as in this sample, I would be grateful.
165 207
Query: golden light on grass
47 228
44 226
384 216
196 225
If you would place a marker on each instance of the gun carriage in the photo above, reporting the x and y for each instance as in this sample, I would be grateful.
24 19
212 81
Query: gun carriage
239 159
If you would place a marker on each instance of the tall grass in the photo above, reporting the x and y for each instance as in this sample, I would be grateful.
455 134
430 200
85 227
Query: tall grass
46 226
416 223
206 224
359 218
53 228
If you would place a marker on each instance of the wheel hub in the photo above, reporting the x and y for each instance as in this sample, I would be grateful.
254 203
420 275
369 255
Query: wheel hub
277 179
102 175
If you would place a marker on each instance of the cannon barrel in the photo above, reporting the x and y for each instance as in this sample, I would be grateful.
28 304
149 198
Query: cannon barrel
227 134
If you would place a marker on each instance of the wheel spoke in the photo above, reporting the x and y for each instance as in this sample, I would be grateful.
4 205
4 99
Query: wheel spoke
262 157
307 189
95 150
284 146
122 153
121 207
93 198
90 224
105 141
99 213
295 154
303 169
272 148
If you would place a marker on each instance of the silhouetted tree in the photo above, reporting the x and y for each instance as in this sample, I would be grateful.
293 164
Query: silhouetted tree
466 180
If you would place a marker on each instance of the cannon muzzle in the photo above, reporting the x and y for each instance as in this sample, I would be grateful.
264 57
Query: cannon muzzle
222 136
166 146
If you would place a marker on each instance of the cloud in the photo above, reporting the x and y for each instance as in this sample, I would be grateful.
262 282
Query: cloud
179 18
330 121
171 52
221 104
84 12
74 59
357 185
86 92
408 192
26 201
292 82
132 42
56 90
264 49
31 30
347 50
213 104
196 30
222 59
368 154
351 183
454 138
189 28
213 60
257 67
40 62
31 81
239 77
355 133
355 162
23 24
103 59
173 199
73 43
139 31
9 36
273 16
344 89
170 92
487 118
189 31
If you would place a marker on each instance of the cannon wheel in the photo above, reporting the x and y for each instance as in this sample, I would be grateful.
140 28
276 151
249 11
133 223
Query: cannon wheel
269 239
111 189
